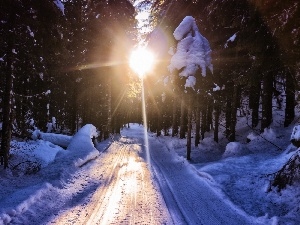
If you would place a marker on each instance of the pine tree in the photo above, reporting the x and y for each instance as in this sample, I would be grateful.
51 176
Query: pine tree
192 53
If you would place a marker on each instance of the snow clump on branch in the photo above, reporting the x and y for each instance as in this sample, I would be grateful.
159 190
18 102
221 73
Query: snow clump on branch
193 52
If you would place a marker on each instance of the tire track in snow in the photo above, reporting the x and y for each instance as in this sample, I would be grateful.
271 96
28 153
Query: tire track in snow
128 195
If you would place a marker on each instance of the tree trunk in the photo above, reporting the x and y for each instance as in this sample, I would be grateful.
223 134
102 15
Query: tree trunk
117 124
197 118
254 102
74 111
7 123
217 116
209 116
229 96
175 119
267 101
176 101
290 99
7 97
182 117
158 123
189 130
203 121
233 113
108 130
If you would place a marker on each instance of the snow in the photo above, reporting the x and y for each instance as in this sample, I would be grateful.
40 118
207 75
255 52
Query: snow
192 52
60 5
57 139
296 133
231 39
190 82
82 146
30 32
224 183
42 152
269 134
22 187
235 149
41 76
216 88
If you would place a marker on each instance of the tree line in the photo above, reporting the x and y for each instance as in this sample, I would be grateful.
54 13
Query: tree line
63 63
68 63
255 55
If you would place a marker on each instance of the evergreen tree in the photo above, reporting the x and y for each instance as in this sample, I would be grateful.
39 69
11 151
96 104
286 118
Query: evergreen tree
192 53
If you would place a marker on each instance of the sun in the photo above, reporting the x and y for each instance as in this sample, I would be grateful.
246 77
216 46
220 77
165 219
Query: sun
141 61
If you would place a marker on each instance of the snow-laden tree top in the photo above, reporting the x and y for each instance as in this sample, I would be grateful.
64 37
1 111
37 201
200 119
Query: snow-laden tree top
192 52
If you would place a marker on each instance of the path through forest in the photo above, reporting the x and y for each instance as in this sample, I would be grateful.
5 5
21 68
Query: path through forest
119 187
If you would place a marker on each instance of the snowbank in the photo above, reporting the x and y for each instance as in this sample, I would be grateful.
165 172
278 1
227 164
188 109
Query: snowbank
57 139
82 145
269 134
53 164
28 157
234 149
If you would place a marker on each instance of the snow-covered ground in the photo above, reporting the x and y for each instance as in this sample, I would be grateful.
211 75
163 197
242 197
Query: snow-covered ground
243 170
112 183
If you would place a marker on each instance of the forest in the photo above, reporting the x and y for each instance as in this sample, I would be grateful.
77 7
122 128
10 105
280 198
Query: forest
64 64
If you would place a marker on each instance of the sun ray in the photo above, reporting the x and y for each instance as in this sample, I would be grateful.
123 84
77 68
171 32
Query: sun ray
141 61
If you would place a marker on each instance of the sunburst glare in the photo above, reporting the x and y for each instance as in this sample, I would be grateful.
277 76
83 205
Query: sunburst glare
141 61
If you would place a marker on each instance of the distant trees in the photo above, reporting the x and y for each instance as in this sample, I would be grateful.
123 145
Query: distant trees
252 64
63 59
29 47
69 63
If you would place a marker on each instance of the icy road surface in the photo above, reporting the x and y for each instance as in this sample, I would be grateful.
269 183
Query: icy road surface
126 193
119 187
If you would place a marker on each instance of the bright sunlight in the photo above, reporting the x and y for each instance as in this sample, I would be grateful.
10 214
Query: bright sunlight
141 61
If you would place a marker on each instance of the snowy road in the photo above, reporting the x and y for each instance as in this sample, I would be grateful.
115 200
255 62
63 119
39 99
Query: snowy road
126 194
119 187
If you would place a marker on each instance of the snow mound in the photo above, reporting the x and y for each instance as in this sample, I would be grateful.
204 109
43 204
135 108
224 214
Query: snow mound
234 149
269 134
46 152
251 136
28 157
57 139
82 146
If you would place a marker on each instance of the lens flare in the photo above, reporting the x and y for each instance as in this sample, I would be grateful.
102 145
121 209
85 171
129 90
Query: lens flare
145 126
141 61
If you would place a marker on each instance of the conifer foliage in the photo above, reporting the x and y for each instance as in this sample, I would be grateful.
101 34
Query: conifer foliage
253 44
59 63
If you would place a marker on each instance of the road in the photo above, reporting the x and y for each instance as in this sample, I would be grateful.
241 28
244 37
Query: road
127 192
121 187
